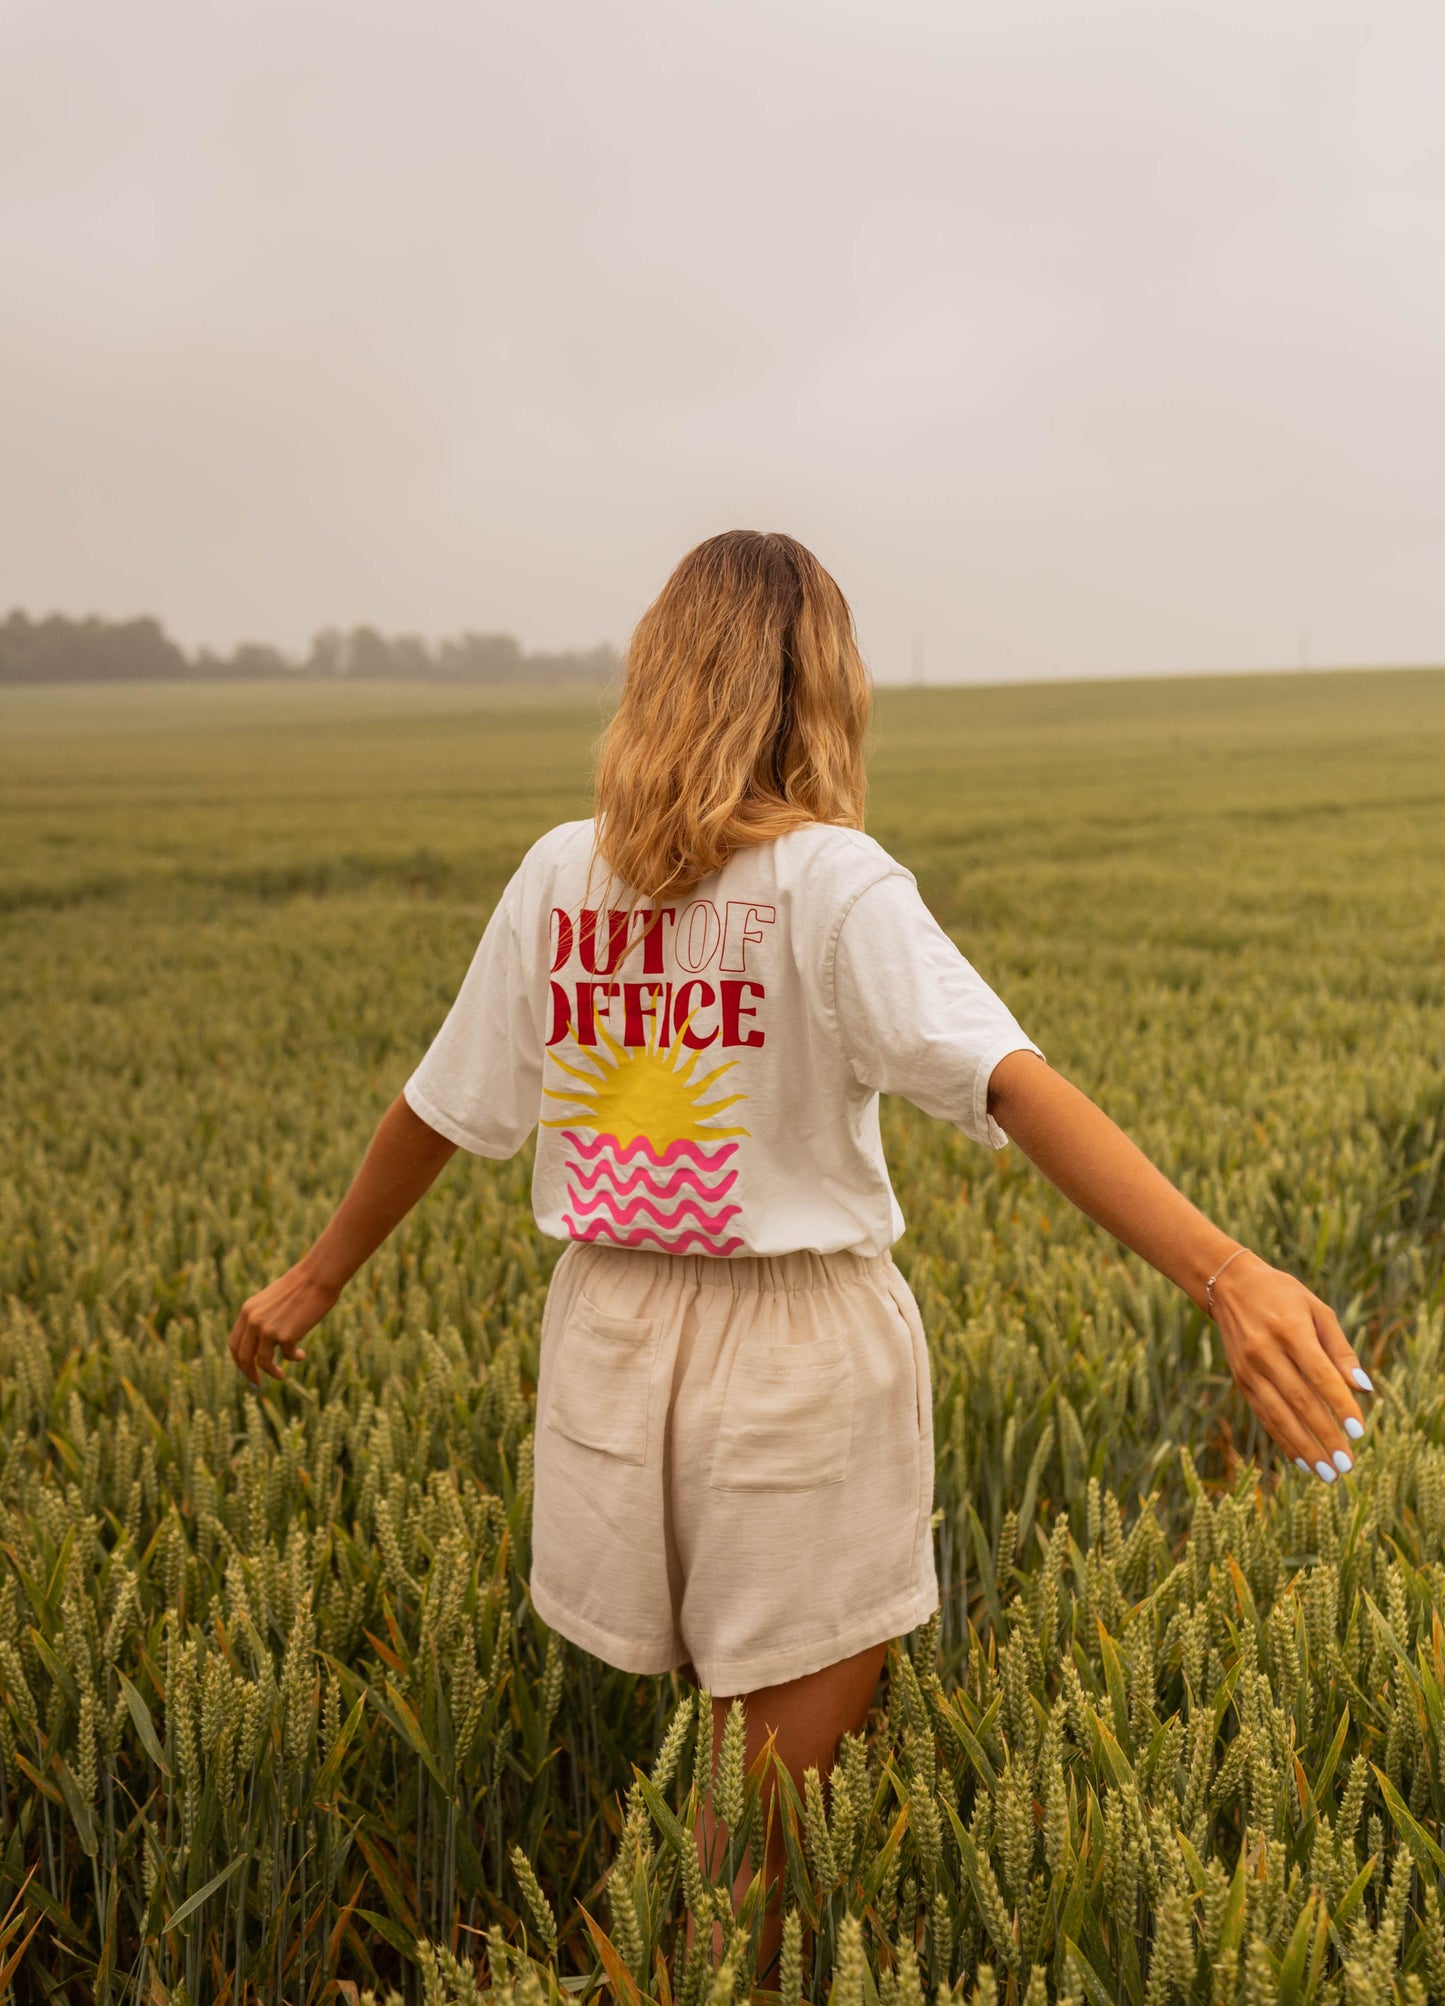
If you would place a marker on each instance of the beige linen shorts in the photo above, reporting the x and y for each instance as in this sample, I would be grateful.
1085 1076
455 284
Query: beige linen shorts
734 1461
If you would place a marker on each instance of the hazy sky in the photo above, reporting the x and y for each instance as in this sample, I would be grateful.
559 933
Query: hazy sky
1080 338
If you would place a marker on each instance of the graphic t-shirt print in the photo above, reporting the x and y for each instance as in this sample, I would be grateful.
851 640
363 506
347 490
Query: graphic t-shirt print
651 1110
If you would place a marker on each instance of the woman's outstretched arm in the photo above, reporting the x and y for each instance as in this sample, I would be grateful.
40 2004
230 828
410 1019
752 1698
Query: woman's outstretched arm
1285 1347
404 1160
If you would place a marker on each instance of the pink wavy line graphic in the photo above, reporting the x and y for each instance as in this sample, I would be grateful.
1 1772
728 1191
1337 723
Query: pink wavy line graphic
682 1174
598 1231
640 1146
623 1215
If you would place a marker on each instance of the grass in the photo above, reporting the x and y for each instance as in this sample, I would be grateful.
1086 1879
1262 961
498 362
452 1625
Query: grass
278 1719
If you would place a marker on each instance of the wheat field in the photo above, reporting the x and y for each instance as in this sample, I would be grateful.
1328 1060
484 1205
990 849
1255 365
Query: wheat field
277 1721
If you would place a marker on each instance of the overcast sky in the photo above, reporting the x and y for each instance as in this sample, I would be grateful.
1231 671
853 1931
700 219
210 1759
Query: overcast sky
1081 338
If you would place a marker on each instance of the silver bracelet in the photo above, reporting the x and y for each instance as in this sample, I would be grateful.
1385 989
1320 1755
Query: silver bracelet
1209 1285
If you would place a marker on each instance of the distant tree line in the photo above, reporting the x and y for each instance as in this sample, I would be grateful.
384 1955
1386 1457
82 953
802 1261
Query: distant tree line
58 650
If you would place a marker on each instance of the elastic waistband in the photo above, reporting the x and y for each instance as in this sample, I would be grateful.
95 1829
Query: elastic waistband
742 1273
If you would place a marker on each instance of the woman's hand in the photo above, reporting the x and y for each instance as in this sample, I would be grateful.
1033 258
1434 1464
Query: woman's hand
403 1161
1292 1362
1285 1347
277 1319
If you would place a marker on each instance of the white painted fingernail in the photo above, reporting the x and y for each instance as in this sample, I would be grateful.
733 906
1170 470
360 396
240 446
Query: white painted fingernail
1353 1428
1342 1461
1362 1378
1301 1464
1326 1470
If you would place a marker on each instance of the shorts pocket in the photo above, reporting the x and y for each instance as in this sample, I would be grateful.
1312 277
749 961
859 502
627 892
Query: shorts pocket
602 1381
906 1309
787 1417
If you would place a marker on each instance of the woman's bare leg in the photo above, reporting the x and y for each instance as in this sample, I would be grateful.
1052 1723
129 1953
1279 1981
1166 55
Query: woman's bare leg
808 1718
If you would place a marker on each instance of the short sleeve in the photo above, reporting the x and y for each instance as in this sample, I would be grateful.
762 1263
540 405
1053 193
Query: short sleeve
915 1017
480 1080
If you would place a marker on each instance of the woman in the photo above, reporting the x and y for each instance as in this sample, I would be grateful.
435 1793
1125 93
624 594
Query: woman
734 1436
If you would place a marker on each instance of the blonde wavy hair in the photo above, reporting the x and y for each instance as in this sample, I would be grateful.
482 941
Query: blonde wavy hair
743 712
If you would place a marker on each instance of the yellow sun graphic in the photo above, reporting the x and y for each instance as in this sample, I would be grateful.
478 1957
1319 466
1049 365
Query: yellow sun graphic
644 1090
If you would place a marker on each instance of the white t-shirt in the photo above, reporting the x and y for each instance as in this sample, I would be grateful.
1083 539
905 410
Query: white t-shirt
718 1093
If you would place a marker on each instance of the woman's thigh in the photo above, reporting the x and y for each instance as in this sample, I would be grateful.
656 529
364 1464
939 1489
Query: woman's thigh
808 1716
